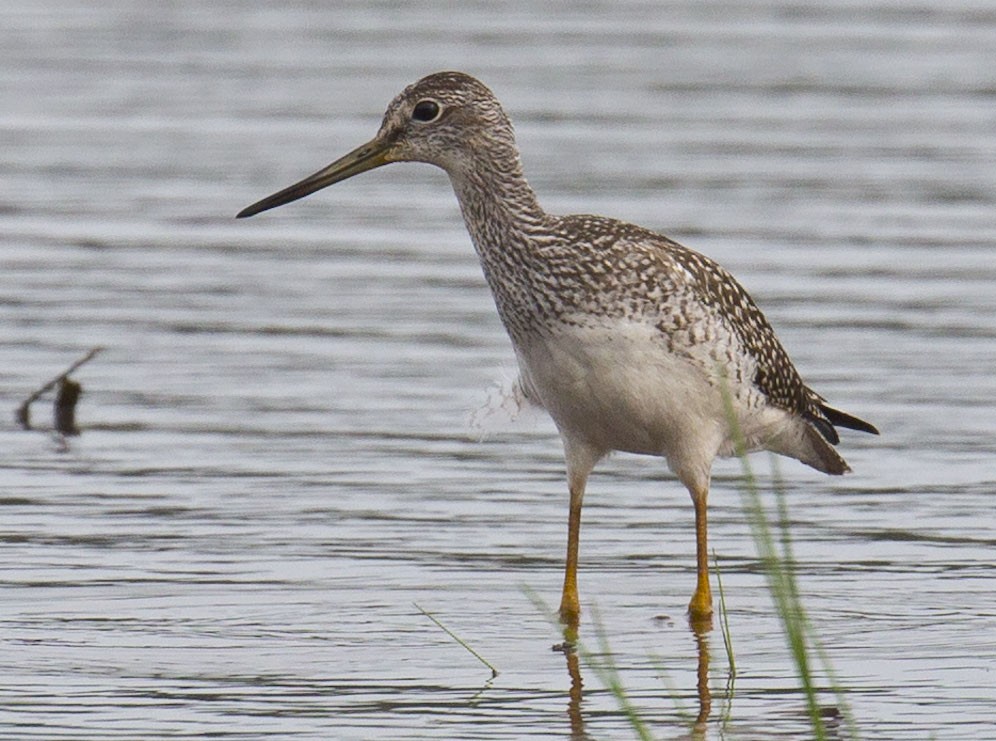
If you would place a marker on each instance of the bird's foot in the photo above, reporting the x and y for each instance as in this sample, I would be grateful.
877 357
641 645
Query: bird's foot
570 621
700 611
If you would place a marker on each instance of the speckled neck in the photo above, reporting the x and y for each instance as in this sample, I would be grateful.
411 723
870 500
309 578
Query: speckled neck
507 226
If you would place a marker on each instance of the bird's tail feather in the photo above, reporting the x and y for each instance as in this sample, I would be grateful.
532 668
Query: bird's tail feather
822 455
805 442
842 419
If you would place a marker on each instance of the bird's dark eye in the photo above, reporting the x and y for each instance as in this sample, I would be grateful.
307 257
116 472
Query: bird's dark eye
425 111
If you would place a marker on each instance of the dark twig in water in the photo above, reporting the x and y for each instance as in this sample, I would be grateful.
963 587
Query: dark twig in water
65 404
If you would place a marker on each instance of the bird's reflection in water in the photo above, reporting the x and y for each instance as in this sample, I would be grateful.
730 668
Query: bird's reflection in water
574 705
700 630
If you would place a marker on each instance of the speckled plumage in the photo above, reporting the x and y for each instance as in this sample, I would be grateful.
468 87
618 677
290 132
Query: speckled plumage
630 341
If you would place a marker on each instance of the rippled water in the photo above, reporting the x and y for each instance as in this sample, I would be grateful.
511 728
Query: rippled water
277 459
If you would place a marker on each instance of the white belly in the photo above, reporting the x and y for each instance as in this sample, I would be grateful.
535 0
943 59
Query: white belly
618 388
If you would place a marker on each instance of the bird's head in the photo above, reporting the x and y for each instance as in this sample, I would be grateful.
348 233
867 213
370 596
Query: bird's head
446 119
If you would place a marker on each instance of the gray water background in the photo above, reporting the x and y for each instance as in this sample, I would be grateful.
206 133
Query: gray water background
283 446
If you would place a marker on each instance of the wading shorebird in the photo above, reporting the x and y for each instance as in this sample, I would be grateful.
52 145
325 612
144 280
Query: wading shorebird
629 340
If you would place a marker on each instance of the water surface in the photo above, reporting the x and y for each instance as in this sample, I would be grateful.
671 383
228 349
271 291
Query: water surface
278 457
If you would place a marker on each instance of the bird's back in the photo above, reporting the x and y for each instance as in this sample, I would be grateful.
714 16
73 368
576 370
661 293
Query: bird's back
615 306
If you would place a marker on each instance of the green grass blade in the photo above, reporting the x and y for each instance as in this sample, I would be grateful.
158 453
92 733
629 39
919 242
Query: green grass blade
602 664
458 639
724 622
778 562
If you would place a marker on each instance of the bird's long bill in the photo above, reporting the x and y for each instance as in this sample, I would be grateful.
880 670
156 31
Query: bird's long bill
372 154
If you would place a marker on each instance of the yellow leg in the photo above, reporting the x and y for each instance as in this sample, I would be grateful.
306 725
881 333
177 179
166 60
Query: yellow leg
570 604
580 459
700 608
